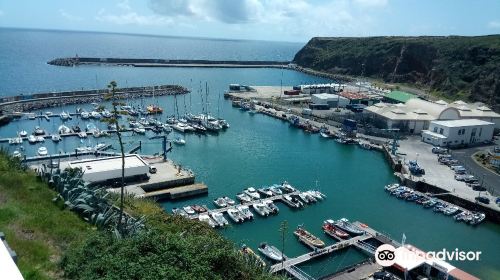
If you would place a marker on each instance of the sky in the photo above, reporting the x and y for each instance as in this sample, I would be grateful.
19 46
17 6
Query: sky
275 20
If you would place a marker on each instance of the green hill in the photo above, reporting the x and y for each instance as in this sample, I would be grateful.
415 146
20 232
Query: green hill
454 66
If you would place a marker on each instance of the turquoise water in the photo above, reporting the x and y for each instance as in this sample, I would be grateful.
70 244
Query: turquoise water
257 150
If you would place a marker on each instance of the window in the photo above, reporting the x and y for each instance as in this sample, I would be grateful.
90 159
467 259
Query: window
473 132
440 131
435 129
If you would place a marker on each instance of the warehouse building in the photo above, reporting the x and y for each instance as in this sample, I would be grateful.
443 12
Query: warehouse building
397 96
327 100
399 116
454 133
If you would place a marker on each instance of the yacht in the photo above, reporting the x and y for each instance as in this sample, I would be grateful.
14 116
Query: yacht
261 209
276 190
166 128
229 201
206 218
270 252
106 114
348 227
291 201
83 149
64 129
64 116
317 194
31 139
189 210
271 206
243 197
84 115
56 138
42 151
95 115
40 139
245 212
287 187
220 202
23 133
219 219
265 191
252 192
235 215
38 131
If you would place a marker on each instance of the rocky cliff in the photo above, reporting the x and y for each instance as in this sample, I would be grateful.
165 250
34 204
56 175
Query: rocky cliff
454 66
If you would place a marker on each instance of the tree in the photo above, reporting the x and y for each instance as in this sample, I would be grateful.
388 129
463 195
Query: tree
112 85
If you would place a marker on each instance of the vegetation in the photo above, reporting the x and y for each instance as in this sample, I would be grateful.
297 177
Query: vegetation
54 243
453 66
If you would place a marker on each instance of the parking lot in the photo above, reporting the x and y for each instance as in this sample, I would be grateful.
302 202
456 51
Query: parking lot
438 174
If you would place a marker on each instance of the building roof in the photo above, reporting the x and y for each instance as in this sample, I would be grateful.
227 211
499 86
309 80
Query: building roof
435 109
399 96
433 134
399 112
107 164
462 123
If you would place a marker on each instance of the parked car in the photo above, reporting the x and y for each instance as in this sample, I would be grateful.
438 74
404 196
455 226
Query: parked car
439 150
483 199
460 170
479 188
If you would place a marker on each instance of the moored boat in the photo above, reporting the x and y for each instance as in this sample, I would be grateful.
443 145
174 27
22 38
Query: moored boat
252 192
42 151
189 210
330 229
219 219
270 252
348 227
247 251
229 201
245 212
261 209
220 202
308 238
235 215
198 208
206 218
243 197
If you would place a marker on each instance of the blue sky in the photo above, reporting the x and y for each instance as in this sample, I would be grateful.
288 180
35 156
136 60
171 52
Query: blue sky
277 20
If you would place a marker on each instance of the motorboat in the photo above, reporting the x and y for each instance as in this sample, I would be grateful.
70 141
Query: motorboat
243 197
31 116
106 114
64 130
182 127
133 123
23 133
276 190
220 202
451 210
252 192
179 211
76 129
198 128
308 238
219 219
179 141
84 149
317 194
17 154
265 191
38 131
95 115
56 137
245 212
99 146
154 109
84 115
292 202
189 210
287 187
82 134
477 218
198 208
206 218
261 209
271 206
235 215
48 113
140 130
348 227
223 123
40 139
247 251
64 116
42 151
31 139
330 229
166 128
229 201
270 252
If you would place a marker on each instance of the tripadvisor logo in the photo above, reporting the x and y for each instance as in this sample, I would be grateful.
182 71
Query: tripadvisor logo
386 255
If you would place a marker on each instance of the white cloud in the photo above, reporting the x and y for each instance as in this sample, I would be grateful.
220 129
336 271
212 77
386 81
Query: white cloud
494 24
124 5
69 16
371 3
133 18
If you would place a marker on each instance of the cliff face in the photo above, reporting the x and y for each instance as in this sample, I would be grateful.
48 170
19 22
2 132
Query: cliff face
458 67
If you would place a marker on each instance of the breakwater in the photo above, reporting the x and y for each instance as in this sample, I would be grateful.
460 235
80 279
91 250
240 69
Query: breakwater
150 62
21 103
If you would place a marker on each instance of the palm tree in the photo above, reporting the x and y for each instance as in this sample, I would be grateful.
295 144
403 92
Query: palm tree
112 85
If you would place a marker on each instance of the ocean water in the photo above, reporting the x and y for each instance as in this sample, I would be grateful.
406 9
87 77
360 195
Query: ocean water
255 151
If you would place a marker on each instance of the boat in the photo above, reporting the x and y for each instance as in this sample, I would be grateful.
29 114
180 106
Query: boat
292 202
179 141
198 208
23 133
166 128
64 130
304 197
348 227
106 114
261 209
198 128
235 215
99 146
265 191
229 201
330 229
451 210
48 113
31 139
247 251
317 195
64 116
477 218
42 151
220 202
82 134
245 212
271 206
223 123
430 203
31 116
252 192
154 109
180 212
40 139
206 218
76 129
139 130
84 115
243 197
270 252
276 190
38 131
189 210
391 187
95 115
17 154
325 133
287 187
85 149
15 140
56 138
308 238
219 219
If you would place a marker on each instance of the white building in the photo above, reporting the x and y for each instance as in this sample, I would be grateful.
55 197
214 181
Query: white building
321 88
332 100
458 132
400 116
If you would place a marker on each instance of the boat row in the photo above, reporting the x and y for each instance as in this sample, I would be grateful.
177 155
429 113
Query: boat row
438 206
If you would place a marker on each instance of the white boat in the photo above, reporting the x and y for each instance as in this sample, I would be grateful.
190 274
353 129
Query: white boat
31 116
182 127
64 116
245 211
292 202
99 147
84 149
42 151
84 115
205 218
31 139
304 197
243 197
276 190
287 187
95 115
229 201
270 252
310 197
189 210
140 130
64 130
82 134
40 139
23 133
38 131
15 140
166 128
220 202
219 219
271 206
252 192
106 114
261 209
317 194
17 154
56 137
235 215
179 141
265 191
48 113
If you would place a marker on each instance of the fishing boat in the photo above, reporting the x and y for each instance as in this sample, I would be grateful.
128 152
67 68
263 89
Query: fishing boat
23 133
308 238
261 209
348 227
219 219
245 212
38 131
206 218
229 201
477 218
154 109
189 210
42 151
271 206
247 251
243 197
235 215
270 252
56 138
220 202
199 208
287 187
265 191
276 190
179 141
31 139
330 229
64 116
252 192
